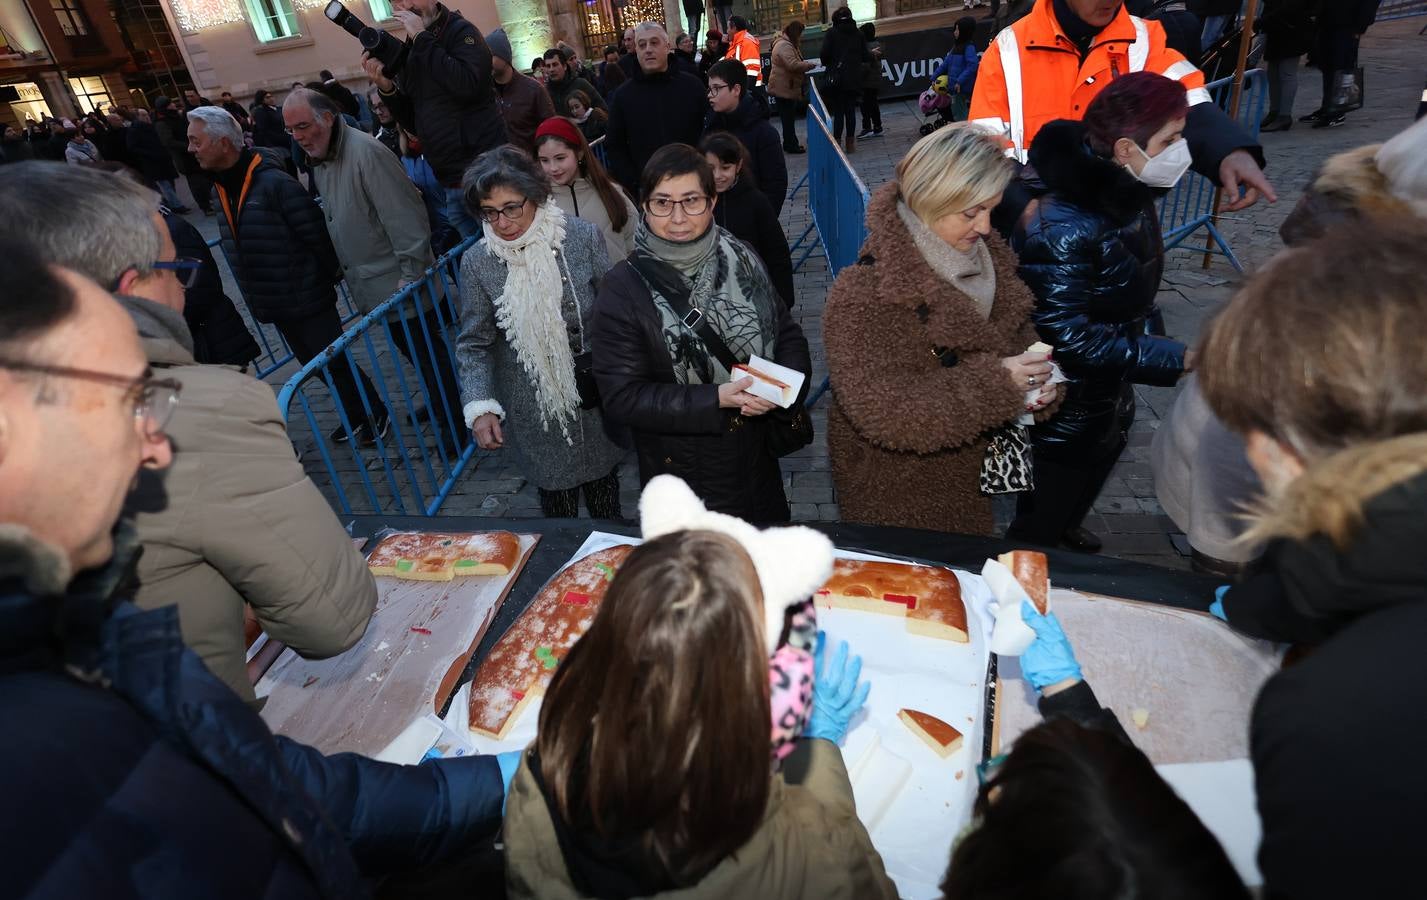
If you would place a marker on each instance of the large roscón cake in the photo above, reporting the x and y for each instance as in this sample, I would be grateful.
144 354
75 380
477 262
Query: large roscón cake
522 662
929 598
439 556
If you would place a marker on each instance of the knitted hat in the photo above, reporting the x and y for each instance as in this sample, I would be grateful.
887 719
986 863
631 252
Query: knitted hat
792 563
500 45
715 35
561 127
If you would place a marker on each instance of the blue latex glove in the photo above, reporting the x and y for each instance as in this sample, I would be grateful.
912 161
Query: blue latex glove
836 694
508 762
1049 658
1216 609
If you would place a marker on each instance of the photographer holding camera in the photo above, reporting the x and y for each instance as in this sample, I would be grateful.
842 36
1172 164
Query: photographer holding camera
439 87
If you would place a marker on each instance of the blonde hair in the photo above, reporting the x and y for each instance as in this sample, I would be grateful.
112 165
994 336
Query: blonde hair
1403 164
952 169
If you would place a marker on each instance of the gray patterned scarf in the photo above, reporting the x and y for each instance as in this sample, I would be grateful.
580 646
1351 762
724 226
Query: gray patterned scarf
722 277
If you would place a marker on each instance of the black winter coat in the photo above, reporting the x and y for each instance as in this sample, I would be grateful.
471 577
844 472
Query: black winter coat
679 429
1348 15
1092 253
743 212
268 128
1289 27
1336 737
446 97
172 127
750 125
844 52
647 112
219 334
149 153
282 255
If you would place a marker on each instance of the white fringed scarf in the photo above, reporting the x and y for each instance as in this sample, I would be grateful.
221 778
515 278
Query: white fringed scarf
528 311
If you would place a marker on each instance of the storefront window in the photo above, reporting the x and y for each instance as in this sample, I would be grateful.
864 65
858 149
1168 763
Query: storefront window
381 9
70 16
273 20
91 93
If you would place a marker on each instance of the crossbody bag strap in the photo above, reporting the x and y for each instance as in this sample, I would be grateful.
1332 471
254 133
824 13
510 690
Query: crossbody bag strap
692 317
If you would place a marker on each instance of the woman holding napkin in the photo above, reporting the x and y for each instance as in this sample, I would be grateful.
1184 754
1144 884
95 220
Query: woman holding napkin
672 321
928 341
524 345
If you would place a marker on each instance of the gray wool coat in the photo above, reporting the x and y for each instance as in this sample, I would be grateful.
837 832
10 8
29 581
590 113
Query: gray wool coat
489 368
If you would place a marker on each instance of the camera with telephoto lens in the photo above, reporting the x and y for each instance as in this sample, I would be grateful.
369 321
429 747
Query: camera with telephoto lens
382 46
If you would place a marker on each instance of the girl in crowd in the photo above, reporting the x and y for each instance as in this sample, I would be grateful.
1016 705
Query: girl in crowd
927 346
582 186
1318 363
524 345
650 773
715 49
1091 250
844 53
743 210
959 66
670 322
593 122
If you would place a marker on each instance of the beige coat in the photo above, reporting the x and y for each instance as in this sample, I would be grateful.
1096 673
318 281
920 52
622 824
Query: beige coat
235 520
374 214
811 845
789 69
580 199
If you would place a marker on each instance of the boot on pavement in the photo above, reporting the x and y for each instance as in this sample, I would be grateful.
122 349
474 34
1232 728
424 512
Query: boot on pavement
849 142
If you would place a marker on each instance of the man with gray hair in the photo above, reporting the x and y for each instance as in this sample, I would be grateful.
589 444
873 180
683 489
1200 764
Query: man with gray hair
660 106
234 520
378 224
275 239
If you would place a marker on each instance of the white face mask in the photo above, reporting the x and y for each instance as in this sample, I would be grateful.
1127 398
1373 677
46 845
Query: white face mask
1165 170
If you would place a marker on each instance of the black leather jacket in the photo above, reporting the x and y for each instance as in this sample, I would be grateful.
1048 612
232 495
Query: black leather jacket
1092 253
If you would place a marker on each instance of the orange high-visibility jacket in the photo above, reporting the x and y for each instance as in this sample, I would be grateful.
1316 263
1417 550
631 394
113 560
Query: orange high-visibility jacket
1032 74
743 47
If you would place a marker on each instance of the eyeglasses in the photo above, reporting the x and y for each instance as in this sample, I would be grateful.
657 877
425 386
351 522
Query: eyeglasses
184 268
154 398
715 88
692 206
511 211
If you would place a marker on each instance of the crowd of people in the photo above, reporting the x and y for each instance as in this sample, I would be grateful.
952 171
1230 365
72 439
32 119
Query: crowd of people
986 343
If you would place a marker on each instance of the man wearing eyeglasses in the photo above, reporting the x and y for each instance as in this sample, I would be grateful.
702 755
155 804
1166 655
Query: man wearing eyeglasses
139 773
235 521
277 243
378 225
660 106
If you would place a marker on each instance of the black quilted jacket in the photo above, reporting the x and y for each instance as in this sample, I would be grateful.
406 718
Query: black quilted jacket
1092 253
219 335
281 255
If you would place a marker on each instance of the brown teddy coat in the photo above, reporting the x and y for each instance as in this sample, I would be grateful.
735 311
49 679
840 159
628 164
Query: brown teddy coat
906 433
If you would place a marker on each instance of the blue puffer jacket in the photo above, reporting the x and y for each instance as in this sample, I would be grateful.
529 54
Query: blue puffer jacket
959 67
133 772
1092 253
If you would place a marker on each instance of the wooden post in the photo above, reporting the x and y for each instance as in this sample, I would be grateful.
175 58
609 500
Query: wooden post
1246 38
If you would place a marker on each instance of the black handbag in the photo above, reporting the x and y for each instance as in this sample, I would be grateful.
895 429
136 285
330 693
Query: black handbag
789 430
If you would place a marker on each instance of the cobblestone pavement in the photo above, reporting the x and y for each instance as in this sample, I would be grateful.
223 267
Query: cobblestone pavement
1127 514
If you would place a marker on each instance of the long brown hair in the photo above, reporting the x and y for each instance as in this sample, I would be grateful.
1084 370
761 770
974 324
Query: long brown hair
655 727
609 192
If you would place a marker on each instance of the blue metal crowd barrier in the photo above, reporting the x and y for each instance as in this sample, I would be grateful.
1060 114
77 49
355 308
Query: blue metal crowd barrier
1190 206
597 147
410 467
275 352
1400 9
837 198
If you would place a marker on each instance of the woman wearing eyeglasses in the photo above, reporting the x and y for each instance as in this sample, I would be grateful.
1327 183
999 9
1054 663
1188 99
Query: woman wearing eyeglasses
670 322
524 346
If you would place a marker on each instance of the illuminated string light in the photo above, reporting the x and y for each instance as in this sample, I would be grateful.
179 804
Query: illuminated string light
196 15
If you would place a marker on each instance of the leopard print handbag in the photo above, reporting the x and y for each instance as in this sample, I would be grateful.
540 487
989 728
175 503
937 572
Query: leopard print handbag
1007 467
